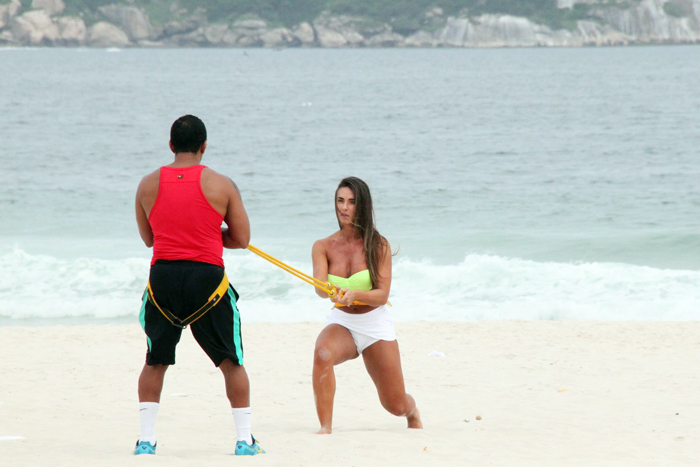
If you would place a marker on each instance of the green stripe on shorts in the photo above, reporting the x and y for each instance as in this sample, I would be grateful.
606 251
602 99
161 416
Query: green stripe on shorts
236 326
142 316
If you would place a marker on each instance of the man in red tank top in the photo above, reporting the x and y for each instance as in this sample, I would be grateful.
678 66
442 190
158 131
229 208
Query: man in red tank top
180 209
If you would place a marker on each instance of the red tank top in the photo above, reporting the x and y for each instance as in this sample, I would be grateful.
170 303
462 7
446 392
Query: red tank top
185 226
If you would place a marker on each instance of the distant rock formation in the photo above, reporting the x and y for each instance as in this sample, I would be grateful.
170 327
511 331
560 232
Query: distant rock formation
35 28
50 7
611 22
134 22
104 34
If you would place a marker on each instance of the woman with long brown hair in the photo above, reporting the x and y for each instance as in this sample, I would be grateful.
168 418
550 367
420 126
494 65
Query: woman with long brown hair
357 260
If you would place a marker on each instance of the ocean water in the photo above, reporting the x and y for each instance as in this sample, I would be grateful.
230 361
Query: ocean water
513 183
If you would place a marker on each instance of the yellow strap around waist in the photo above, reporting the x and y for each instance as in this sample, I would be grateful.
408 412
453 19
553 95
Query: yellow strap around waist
213 300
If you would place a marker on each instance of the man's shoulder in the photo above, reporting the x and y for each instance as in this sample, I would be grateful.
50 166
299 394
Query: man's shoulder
150 178
210 174
154 174
216 180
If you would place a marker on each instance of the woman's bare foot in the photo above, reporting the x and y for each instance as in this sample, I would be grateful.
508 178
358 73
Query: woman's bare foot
414 420
324 431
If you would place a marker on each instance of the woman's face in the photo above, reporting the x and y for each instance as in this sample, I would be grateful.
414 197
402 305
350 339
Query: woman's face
345 206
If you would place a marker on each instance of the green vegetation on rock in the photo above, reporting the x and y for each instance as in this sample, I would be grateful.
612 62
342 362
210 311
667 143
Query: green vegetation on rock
678 8
408 16
286 12
86 9
404 16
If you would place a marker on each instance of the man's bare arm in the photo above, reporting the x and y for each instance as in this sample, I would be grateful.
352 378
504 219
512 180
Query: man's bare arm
142 218
237 232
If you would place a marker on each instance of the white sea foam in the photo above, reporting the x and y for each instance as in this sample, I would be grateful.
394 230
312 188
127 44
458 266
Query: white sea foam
481 287
492 287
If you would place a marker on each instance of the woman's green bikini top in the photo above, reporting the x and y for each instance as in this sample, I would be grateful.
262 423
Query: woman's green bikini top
358 281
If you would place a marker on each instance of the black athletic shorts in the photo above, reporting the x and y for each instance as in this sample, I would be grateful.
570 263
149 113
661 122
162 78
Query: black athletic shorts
182 287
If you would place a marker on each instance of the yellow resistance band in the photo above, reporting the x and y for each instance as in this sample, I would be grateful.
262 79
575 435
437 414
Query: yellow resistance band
327 287
211 303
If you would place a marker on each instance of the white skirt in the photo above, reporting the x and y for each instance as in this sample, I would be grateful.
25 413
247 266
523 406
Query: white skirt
365 328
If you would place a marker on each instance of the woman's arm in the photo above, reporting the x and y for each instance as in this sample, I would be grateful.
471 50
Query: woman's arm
379 295
320 262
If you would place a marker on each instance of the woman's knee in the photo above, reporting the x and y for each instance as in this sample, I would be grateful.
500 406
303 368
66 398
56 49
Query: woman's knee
323 355
333 346
396 405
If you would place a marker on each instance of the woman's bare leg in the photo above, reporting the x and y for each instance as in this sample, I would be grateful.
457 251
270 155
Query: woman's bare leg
333 346
383 363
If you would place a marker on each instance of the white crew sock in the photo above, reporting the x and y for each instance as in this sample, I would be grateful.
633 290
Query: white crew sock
241 417
148 411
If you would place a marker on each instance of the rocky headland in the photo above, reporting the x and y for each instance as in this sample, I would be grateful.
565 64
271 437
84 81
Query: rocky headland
607 22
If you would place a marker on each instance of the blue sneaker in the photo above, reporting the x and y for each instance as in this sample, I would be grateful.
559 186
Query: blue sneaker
144 447
245 449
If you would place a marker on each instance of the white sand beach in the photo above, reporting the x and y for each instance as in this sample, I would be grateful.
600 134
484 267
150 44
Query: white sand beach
547 394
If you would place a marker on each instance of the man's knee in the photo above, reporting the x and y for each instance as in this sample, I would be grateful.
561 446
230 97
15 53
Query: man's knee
232 370
227 365
154 369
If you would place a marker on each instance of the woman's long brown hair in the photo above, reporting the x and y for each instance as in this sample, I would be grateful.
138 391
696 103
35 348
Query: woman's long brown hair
373 243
